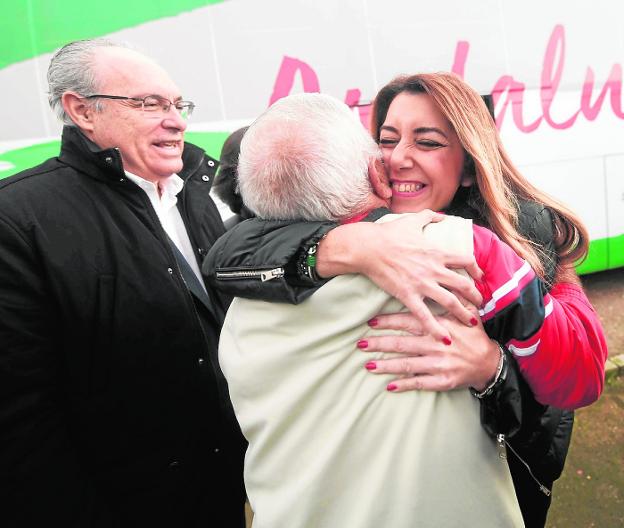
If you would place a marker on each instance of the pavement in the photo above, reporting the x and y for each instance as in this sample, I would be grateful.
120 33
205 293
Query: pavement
590 493
614 367
605 290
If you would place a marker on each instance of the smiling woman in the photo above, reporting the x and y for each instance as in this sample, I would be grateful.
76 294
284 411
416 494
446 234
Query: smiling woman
465 151
422 154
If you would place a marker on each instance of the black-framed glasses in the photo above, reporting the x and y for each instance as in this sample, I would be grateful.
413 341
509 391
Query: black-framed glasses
152 105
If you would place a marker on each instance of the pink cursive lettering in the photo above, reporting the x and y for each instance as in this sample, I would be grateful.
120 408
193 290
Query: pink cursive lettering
461 54
613 84
286 78
506 90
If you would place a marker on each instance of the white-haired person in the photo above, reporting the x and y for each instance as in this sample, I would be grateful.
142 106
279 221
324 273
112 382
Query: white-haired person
328 446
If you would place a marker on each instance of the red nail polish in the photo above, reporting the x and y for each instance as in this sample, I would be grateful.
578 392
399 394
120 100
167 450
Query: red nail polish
446 341
373 322
391 387
474 321
362 343
371 365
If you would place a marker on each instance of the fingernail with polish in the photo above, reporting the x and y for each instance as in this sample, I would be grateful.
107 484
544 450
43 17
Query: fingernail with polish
371 365
474 321
362 343
373 322
446 341
391 387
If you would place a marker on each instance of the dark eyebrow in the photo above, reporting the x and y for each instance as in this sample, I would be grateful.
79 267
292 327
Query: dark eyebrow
142 96
419 130
425 130
388 128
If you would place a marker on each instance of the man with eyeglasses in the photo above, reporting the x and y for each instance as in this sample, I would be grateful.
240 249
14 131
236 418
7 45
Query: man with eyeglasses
113 409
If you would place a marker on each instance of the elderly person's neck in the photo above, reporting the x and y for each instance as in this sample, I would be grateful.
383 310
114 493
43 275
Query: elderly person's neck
371 203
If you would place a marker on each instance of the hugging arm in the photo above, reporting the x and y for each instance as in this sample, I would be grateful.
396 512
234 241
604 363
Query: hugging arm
556 338
389 254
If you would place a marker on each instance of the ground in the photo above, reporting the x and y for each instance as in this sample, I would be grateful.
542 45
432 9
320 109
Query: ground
590 493
606 292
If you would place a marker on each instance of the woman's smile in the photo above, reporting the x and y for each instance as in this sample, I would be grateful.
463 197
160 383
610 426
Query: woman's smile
407 188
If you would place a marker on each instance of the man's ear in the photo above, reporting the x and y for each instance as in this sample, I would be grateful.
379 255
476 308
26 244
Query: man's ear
379 179
79 110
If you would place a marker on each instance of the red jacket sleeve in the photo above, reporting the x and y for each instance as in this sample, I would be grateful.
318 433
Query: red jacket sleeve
557 338
570 351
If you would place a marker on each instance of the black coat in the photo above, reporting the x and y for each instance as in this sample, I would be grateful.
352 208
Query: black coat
113 410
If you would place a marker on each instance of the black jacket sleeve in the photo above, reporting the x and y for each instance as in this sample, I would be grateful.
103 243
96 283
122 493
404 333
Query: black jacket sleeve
261 259
508 410
540 434
41 479
535 222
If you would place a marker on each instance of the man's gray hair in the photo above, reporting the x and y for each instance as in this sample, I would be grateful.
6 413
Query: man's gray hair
71 70
306 158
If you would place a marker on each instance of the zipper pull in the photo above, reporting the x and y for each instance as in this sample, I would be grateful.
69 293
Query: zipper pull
276 273
545 490
502 442
502 450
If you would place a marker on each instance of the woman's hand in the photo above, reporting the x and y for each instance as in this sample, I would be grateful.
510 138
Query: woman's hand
396 257
470 360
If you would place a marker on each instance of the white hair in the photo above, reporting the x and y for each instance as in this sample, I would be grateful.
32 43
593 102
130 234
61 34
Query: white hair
71 70
306 158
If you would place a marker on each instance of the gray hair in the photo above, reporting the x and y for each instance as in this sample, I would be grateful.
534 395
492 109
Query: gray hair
306 158
71 70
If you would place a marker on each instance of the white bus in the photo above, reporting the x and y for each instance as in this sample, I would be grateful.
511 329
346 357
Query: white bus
553 69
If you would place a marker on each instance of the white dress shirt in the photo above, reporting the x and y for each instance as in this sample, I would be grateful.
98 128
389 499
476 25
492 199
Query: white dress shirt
164 203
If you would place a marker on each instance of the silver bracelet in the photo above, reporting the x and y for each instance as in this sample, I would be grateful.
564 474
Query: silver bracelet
498 378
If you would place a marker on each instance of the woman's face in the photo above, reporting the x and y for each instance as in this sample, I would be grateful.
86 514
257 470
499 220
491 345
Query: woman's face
422 154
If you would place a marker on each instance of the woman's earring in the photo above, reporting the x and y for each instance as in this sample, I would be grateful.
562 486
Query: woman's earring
469 173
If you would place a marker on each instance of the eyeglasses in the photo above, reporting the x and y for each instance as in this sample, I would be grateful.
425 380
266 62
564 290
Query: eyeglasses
153 105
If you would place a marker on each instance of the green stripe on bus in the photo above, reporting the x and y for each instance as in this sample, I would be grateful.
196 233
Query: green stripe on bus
24 158
616 251
597 259
14 161
29 28
605 253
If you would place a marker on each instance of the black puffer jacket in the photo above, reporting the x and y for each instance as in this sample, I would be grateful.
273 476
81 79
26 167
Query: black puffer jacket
539 434
113 409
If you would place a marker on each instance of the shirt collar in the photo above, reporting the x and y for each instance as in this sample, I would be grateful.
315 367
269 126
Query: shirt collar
170 186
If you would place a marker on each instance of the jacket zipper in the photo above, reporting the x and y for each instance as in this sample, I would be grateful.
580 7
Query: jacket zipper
502 453
263 275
